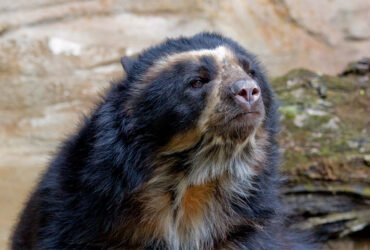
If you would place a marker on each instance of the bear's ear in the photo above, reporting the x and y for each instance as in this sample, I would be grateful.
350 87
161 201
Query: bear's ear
127 63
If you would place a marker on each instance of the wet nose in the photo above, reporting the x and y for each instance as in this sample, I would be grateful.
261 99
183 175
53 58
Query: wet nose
246 91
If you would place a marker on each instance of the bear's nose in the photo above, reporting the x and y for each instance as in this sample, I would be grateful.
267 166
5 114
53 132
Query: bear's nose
246 91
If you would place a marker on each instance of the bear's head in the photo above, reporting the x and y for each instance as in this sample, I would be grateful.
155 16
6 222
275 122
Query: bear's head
186 89
202 100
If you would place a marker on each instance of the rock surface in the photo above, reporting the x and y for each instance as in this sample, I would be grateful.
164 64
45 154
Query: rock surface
325 136
58 56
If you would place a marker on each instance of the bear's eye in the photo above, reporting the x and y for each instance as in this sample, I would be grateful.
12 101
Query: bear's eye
198 83
247 66
252 73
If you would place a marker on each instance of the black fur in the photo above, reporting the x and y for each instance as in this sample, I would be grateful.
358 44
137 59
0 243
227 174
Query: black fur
85 193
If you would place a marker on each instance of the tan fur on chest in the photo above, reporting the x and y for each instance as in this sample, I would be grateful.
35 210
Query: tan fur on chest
195 203
184 221
190 211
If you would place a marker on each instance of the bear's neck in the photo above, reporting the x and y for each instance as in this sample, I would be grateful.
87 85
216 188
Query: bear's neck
192 209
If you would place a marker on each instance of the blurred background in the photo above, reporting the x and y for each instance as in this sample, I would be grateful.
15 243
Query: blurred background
58 56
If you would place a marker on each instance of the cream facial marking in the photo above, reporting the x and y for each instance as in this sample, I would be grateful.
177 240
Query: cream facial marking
221 54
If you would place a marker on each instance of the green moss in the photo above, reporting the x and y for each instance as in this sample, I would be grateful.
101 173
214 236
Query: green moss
366 191
289 111
314 142
326 150
315 122
294 160
338 83
302 75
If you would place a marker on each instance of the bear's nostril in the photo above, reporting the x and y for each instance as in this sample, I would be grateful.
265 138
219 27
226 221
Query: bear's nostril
255 92
244 93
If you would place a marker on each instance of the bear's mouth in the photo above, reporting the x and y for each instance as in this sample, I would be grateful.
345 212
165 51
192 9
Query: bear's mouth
238 124
246 115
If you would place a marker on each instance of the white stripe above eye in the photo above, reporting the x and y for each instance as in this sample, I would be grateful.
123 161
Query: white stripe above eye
220 54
